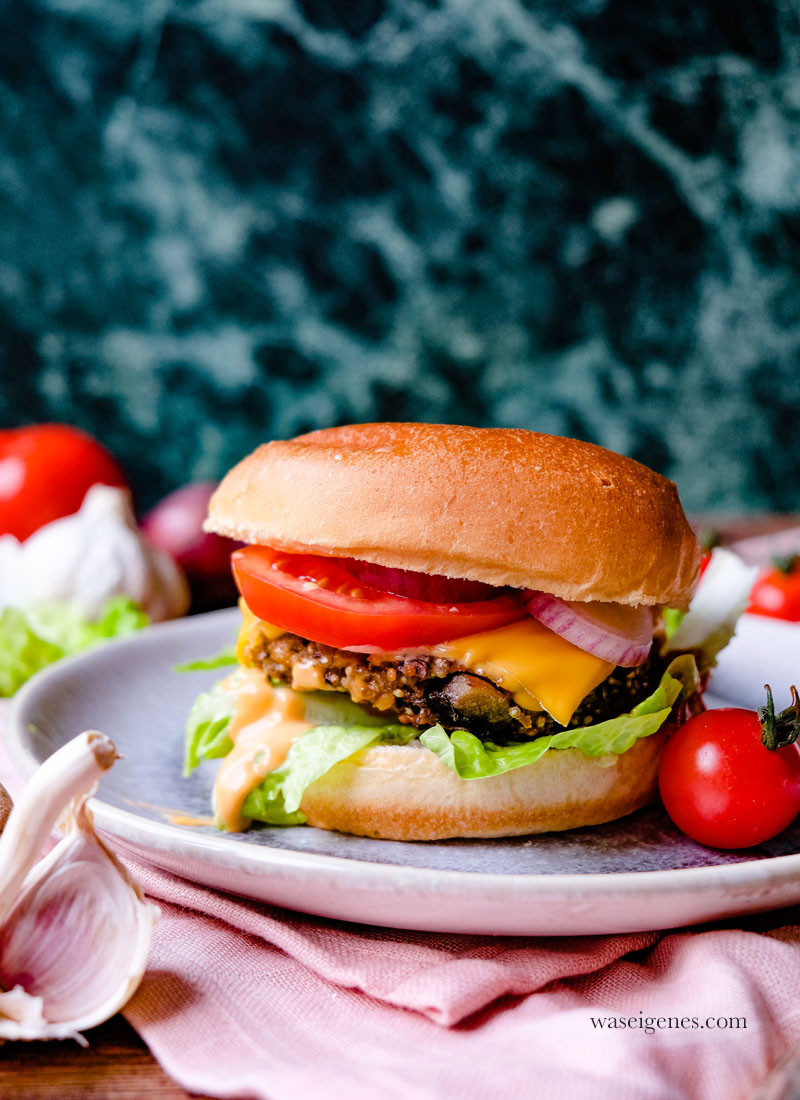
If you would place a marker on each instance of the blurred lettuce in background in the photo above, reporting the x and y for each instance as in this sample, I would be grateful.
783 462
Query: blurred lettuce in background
33 638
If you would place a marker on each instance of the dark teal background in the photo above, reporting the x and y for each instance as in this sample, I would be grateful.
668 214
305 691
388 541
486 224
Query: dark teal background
231 220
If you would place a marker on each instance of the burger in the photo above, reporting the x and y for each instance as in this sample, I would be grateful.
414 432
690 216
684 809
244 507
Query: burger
447 631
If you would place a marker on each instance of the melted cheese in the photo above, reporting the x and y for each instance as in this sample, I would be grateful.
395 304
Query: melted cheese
266 723
538 667
252 628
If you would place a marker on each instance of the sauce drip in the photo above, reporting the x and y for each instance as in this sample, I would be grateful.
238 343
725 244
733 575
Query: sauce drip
267 721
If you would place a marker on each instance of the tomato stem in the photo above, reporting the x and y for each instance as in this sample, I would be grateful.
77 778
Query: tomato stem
782 729
709 539
786 563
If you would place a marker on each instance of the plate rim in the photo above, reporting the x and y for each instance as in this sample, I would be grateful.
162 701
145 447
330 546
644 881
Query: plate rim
133 829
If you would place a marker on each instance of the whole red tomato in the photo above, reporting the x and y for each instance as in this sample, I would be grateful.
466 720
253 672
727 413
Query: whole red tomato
722 786
45 470
776 592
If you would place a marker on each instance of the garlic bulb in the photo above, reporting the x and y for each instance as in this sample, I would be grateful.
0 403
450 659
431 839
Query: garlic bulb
90 556
75 928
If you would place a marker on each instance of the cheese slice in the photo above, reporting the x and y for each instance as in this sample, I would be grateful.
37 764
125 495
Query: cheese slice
538 667
251 629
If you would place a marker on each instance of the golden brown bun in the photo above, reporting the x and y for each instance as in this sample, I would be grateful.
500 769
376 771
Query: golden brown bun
508 507
405 792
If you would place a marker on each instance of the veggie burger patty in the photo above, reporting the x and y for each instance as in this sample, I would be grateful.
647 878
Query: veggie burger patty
425 690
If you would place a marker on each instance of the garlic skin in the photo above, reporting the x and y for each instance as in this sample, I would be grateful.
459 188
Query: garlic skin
90 556
75 929
5 806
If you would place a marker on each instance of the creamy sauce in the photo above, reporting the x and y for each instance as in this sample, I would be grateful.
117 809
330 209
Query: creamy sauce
266 723
307 676
174 817
538 667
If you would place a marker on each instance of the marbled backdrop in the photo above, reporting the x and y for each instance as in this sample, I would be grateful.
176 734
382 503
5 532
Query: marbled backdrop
227 220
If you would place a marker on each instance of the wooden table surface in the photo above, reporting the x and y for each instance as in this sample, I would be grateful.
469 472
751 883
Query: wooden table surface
117 1065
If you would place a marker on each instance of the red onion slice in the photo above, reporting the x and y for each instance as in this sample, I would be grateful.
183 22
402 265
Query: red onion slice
622 635
428 587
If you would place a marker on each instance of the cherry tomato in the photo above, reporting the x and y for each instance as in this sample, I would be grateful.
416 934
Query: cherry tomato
722 787
45 471
323 600
705 561
776 592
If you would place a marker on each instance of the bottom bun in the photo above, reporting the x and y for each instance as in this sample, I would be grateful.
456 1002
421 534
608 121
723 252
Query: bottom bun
405 792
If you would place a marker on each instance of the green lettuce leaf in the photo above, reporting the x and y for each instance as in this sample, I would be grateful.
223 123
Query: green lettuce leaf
22 650
345 729
721 598
207 727
35 637
672 620
65 626
277 800
471 758
225 657
266 803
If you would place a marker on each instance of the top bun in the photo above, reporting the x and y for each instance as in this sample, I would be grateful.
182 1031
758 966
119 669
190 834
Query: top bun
504 506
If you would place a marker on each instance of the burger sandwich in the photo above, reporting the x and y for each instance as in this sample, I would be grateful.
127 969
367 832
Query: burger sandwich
448 632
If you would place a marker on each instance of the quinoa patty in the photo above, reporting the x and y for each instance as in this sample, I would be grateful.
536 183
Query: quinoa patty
426 690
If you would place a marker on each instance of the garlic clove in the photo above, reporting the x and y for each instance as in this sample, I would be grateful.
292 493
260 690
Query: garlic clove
24 1010
70 773
75 929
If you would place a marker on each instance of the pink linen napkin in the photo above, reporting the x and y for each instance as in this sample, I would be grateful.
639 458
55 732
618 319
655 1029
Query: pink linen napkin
241 999
244 1000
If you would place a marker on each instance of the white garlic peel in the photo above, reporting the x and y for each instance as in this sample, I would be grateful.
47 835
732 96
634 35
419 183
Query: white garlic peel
90 556
75 929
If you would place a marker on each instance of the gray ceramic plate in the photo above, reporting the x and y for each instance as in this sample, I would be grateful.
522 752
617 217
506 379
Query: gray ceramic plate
637 873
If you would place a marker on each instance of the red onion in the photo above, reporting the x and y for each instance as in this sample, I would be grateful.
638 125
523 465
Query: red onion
176 525
429 587
622 635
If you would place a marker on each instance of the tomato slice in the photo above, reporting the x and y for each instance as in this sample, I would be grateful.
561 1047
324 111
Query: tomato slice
321 599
